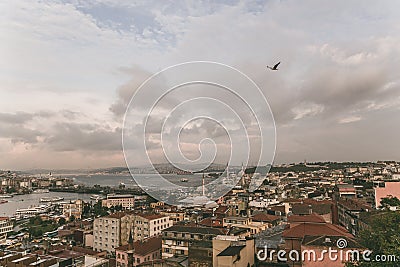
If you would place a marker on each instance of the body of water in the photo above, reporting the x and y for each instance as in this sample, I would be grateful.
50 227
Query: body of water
26 201
115 180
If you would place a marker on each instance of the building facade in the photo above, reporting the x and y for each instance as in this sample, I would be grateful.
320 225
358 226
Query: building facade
112 200
6 226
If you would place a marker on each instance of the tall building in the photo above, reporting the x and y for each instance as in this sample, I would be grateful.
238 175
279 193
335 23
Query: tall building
6 226
148 225
107 232
112 231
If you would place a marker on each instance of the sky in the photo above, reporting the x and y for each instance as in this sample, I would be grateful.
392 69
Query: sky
68 70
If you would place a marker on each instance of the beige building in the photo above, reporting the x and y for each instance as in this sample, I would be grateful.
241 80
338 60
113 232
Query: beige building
107 232
126 201
175 216
230 251
244 223
6 226
113 231
74 207
176 239
148 225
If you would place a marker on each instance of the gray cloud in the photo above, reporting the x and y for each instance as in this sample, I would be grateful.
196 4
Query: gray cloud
84 137
335 97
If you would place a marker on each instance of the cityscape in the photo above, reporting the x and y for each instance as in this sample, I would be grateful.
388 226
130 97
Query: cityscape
298 207
212 133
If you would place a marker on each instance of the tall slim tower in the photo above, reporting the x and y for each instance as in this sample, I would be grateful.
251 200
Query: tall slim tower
203 186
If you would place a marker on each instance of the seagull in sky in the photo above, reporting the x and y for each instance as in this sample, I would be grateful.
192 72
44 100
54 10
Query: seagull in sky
275 67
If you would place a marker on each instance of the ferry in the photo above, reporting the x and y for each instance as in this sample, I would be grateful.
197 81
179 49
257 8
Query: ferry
96 197
31 212
51 199
41 191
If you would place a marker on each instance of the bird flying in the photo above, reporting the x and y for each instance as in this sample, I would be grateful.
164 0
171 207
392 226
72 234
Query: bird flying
275 67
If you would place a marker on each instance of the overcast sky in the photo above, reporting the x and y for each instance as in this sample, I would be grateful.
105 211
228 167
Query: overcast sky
69 68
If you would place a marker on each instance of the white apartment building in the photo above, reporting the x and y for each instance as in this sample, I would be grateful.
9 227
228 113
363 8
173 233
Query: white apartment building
126 201
112 231
6 226
107 232
148 225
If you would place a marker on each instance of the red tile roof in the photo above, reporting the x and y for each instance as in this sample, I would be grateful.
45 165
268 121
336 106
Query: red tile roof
152 216
312 218
262 217
211 222
315 229
144 247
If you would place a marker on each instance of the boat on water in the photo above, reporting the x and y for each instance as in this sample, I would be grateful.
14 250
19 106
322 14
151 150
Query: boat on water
40 191
184 180
96 197
51 199
31 212
6 196
2 201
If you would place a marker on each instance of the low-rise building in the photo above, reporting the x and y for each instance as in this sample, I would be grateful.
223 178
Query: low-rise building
233 251
6 226
138 252
176 239
73 208
386 190
112 200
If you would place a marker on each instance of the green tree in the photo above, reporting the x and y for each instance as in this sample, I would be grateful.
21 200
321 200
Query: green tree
390 202
61 221
382 237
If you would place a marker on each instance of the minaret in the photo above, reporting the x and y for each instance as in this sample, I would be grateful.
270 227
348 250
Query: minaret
130 250
203 186
130 241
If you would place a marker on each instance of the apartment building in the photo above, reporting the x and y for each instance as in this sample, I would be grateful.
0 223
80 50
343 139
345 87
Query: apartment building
126 201
6 226
113 231
107 232
73 208
138 252
176 239
148 225
232 251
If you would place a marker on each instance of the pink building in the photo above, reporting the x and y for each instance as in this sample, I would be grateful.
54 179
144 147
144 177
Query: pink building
390 189
135 253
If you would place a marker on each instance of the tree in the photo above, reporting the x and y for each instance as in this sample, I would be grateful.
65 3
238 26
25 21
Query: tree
72 218
390 202
382 237
61 221
86 209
